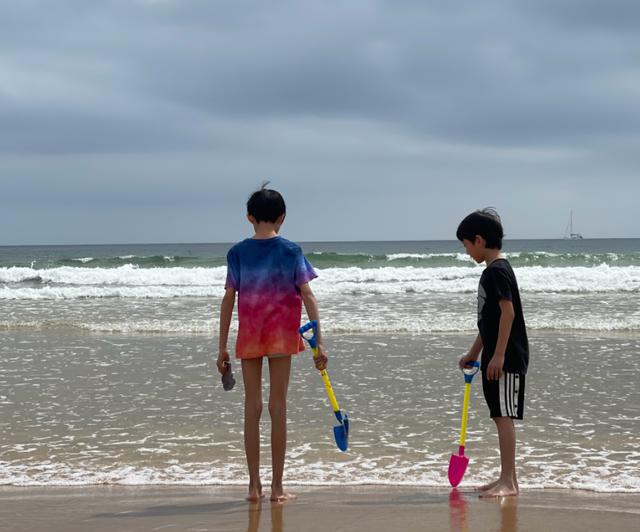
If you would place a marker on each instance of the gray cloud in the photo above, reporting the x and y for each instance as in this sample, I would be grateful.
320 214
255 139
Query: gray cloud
185 106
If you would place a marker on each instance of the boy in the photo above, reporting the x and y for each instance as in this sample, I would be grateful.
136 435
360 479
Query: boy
271 276
502 339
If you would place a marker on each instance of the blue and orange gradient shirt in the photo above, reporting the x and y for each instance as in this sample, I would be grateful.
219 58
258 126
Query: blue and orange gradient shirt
267 275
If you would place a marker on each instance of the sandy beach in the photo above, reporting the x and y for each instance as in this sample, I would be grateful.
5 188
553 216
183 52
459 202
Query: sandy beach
370 508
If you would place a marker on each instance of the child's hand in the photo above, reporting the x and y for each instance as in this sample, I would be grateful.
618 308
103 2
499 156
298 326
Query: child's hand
222 358
467 359
494 369
321 360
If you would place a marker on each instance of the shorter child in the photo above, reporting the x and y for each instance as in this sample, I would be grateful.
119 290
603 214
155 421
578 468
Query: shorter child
502 339
271 277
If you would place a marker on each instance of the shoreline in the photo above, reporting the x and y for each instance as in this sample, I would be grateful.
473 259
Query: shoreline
296 486
353 508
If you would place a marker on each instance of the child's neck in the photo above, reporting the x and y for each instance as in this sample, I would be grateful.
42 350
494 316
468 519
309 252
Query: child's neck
492 255
265 230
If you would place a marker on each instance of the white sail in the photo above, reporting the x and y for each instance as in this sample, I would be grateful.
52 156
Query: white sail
568 232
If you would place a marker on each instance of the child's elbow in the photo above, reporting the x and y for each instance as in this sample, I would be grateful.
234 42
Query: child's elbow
305 292
308 299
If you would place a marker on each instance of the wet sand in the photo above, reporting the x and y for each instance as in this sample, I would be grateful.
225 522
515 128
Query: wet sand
335 509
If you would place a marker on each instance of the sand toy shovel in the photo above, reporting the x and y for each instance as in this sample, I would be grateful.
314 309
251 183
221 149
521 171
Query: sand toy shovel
341 431
458 462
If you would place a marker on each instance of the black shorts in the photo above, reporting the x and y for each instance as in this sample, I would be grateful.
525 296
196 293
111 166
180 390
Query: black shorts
505 398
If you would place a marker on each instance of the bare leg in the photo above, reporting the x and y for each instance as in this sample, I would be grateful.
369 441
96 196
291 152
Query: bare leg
252 376
279 371
507 484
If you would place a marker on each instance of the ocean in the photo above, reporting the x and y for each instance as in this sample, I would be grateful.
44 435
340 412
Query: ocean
107 371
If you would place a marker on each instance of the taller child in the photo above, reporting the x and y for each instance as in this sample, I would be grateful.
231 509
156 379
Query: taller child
502 339
271 277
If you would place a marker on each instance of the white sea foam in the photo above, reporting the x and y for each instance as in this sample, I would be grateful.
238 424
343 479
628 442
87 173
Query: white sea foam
402 256
447 322
152 326
339 323
355 472
534 279
95 292
126 275
130 281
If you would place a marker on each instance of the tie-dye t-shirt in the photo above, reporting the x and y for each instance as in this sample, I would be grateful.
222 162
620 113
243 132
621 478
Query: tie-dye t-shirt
267 275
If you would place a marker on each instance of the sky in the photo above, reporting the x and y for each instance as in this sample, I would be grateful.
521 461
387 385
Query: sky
153 120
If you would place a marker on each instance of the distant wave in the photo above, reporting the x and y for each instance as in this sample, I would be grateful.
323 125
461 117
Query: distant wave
123 276
142 261
345 260
436 260
133 282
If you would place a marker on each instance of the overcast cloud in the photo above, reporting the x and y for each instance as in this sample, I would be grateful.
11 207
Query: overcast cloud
153 120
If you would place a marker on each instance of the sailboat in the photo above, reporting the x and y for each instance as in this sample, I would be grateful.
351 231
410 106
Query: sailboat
568 232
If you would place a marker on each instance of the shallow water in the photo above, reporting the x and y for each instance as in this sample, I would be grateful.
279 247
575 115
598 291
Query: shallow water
150 409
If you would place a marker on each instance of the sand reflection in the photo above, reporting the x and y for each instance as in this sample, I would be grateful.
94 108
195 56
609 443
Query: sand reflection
255 514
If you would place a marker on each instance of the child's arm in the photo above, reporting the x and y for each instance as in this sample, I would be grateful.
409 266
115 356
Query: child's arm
226 313
494 369
311 305
473 354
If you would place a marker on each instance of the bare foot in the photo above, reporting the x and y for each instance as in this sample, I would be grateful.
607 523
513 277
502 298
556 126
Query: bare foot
506 489
255 493
489 486
283 497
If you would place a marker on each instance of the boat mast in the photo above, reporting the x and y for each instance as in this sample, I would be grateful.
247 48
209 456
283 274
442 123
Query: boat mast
571 222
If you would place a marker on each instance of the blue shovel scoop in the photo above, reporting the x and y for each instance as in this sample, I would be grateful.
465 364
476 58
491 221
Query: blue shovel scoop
341 431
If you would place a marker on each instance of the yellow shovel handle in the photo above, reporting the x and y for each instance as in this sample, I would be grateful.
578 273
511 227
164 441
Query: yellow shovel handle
327 385
465 412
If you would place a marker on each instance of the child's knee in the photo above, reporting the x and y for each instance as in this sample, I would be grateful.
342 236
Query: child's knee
277 408
253 408
504 423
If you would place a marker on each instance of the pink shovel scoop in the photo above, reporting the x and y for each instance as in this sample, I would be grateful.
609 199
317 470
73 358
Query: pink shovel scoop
458 462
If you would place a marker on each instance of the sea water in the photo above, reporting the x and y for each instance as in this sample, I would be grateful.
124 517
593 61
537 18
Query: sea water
107 370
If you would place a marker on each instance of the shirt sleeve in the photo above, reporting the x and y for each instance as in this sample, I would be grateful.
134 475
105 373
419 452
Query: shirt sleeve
500 284
233 271
304 271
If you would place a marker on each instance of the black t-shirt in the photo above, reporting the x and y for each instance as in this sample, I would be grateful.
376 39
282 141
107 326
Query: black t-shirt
499 282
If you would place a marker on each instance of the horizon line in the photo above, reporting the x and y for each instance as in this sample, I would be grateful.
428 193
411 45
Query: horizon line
298 241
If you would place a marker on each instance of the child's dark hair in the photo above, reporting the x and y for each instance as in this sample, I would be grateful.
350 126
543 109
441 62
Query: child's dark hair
266 205
485 223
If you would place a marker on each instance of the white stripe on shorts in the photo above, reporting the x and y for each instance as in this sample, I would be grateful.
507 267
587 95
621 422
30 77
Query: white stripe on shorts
509 387
503 403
